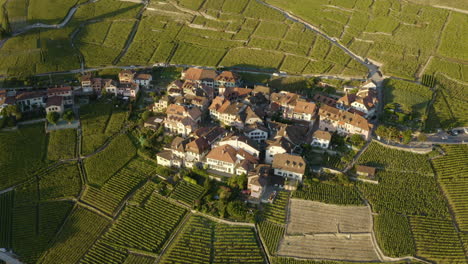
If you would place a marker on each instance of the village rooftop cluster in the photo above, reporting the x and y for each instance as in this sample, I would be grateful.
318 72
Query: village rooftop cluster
229 130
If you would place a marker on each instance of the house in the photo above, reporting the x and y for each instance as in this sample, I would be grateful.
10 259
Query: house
289 166
263 90
364 105
285 100
250 117
198 101
143 79
324 100
256 132
196 150
234 93
28 101
321 139
175 155
365 171
65 92
210 134
278 146
344 103
333 119
227 159
162 104
240 142
369 84
128 90
200 76
55 104
257 180
304 111
295 134
153 122
227 79
175 89
182 120
126 76
227 112
86 83
110 86
165 158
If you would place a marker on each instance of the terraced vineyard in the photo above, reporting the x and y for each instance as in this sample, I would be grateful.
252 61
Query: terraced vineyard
79 233
34 228
62 144
64 181
22 154
101 167
394 234
452 173
407 193
394 160
6 218
205 241
187 192
145 226
272 233
276 212
329 193
110 195
366 28
437 239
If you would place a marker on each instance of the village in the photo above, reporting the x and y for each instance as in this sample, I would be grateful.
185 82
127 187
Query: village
217 124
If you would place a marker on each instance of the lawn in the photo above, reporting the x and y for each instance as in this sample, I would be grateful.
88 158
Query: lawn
22 153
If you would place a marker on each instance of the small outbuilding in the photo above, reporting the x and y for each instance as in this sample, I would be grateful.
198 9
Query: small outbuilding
365 171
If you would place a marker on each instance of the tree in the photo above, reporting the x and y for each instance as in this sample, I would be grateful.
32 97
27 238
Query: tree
53 117
407 136
145 115
382 132
422 137
357 140
68 116
236 209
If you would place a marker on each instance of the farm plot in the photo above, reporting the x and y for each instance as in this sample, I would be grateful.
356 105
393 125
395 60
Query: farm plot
187 192
395 160
103 253
110 195
276 212
103 165
62 144
22 153
145 226
49 11
205 241
356 247
79 233
452 173
34 227
272 234
386 37
405 193
329 193
412 97
307 217
94 118
62 182
6 218
436 239
138 259
101 44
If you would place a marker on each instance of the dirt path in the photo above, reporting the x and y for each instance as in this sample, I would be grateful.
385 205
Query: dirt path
452 9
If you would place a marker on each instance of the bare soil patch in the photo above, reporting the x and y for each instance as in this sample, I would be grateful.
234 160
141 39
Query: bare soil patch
354 247
309 217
